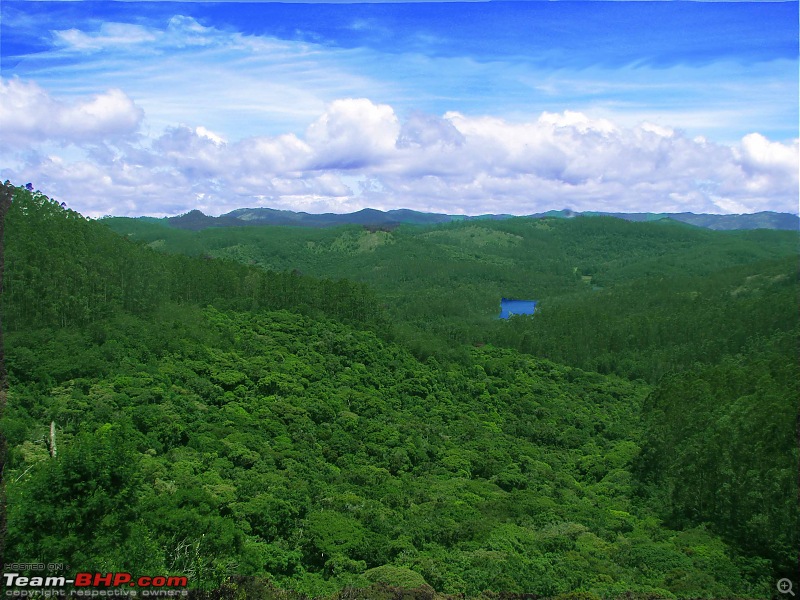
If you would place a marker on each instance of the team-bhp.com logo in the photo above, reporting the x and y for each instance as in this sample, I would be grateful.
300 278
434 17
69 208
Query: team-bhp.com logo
94 584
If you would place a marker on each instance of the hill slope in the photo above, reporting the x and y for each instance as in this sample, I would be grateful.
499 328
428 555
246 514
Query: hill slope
636 299
214 418
196 220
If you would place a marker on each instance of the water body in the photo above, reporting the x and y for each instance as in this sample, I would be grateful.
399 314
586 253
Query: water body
510 307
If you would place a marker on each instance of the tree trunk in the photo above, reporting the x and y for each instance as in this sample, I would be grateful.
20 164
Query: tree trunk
53 439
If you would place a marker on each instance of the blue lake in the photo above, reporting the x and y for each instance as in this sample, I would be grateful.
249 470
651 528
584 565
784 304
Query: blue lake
510 307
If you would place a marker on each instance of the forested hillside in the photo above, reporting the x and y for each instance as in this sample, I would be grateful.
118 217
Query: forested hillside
635 299
233 407
196 220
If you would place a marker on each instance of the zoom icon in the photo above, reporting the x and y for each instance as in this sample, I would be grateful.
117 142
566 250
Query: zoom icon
785 586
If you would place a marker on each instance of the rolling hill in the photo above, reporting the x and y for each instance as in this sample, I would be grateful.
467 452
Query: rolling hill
195 219
268 432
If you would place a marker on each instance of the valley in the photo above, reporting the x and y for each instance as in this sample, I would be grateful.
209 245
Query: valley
292 412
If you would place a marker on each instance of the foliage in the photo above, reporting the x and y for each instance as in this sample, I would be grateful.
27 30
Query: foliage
634 299
64 270
273 435
721 448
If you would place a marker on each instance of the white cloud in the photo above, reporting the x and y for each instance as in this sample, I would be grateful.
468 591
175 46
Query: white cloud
577 121
659 130
180 70
236 84
452 163
181 31
203 132
759 154
29 114
424 131
281 154
109 35
353 134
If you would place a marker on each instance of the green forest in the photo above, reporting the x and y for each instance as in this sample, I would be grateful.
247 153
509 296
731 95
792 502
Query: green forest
287 412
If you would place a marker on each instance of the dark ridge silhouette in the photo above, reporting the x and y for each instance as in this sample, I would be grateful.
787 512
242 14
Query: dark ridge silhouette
377 219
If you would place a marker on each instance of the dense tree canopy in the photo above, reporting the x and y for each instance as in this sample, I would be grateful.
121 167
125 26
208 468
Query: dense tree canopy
216 418
635 299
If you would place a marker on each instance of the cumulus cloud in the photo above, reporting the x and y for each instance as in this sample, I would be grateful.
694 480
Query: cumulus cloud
359 153
757 153
29 114
423 131
353 134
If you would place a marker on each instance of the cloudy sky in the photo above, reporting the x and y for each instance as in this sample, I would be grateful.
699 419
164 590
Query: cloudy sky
156 108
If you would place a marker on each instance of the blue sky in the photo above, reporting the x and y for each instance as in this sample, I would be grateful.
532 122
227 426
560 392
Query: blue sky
157 108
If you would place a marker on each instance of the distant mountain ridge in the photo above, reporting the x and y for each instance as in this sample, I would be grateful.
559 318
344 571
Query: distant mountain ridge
370 217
